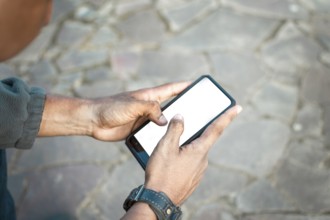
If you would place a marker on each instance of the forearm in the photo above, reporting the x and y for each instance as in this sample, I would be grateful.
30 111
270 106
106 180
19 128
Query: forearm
66 116
139 211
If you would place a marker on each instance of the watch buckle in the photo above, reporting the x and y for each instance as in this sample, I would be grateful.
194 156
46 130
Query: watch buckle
139 192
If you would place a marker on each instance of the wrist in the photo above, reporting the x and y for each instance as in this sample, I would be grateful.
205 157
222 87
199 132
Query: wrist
159 202
66 116
140 211
159 187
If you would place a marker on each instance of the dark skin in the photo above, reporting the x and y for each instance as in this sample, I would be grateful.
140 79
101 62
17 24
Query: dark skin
113 118
20 23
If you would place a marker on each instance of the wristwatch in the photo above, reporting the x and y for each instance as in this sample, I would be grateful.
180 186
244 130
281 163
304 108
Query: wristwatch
162 206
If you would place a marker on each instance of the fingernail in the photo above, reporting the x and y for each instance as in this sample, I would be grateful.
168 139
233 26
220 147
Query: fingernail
239 109
162 119
178 117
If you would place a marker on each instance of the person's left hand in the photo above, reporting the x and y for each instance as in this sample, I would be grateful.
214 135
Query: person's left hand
115 117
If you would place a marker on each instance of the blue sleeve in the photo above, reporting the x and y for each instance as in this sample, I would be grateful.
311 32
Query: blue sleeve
21 111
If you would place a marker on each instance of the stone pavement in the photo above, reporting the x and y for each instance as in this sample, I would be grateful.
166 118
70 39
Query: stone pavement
272 163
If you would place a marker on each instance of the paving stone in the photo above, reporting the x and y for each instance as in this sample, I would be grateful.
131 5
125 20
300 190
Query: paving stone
288 30
73 33
98 74
60 191
249 113
326 126
62 8
320 218
276 217
10 156
126 6
6 71
309 121
67 150
182 14
326 41
123 180
326 117
325 58
213 212
277 100
67 82
89 214
125 62
78 59
289 9
163 67
287 78
142 27
251 144
216 183
105 11
319 28
308 153
308 189
254 146
34 51
304 26
43 74
318 5
186 213
325 164
289 52
316 85
168 4
92 15
16 185
239 71
52 53
132 85
96 3
237 32
105 36
261 196
85 13
100 89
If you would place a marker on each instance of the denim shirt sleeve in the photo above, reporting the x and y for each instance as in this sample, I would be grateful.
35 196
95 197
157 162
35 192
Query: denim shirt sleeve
21 109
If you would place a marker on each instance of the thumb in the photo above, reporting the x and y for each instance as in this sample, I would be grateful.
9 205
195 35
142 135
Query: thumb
171 139
153 111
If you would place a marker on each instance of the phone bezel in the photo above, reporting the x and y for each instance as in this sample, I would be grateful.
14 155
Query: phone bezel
135 147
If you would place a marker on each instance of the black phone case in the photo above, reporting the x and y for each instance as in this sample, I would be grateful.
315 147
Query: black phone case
139 153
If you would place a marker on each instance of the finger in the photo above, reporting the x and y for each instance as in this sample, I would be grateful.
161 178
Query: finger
171 139
152 110
211 134
163 92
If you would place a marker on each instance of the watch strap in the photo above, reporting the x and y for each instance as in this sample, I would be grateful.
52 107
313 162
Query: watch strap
159 202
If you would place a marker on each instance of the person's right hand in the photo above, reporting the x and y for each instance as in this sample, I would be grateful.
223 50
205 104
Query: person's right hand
177 171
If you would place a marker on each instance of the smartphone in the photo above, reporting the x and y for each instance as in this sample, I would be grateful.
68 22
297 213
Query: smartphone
199 104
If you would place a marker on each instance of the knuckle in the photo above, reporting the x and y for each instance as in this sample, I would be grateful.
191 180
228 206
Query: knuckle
153 105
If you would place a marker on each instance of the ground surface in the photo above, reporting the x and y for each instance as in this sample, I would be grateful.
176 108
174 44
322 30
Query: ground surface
273 163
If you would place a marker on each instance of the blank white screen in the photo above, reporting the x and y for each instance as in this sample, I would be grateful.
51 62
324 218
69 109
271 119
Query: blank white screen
198 106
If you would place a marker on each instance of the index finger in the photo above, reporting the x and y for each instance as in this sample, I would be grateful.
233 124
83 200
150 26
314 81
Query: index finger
163 92
211 134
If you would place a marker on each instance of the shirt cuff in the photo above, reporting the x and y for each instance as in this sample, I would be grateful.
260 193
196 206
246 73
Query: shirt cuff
32 124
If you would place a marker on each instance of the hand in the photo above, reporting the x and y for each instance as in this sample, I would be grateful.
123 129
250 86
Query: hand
110 119
177 171
117 116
